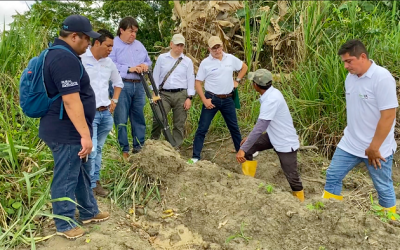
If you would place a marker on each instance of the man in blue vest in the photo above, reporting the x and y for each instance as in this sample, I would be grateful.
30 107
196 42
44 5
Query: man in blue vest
69 134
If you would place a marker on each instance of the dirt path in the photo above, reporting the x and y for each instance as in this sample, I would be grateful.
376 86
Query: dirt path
216 207
117 233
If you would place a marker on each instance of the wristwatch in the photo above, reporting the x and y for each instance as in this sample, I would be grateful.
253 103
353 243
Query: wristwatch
238 79
189 97
115 100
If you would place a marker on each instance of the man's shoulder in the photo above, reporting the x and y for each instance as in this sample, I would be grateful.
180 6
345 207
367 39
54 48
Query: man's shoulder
382 72
187 60
206 60
140 44
162 56
61 57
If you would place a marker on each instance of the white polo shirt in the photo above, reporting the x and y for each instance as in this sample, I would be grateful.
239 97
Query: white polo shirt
181 78
218 75
281 131
100 73
366 96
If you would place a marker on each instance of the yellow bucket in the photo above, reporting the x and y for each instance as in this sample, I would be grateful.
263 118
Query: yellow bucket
249 168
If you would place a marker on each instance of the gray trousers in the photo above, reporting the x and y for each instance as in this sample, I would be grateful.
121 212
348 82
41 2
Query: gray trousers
172 101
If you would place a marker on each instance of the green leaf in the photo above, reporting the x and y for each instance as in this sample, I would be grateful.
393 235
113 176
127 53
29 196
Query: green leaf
9 210
17 205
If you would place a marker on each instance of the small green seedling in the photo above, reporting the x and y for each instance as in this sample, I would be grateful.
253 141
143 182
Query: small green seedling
268 187
383 215
319 205
239 235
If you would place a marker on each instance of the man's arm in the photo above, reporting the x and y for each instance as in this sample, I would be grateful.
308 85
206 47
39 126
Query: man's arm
242 71
74 108
157 72
199 90
383 128
241 74
190 79
260 127
117 84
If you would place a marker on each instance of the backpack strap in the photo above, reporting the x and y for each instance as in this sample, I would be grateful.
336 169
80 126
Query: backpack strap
58 95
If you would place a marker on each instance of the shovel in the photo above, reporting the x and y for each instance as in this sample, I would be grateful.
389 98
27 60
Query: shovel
157 104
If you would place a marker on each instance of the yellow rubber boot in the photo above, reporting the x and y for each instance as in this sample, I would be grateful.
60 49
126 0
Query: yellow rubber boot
249 168
391 209
299 195
328 195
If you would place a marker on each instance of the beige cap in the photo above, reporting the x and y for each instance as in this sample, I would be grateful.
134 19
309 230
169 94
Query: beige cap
214 40
177 39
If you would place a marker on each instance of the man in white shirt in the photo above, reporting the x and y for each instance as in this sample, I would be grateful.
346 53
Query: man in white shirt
217 72
174 72
101 69
371 104
276 121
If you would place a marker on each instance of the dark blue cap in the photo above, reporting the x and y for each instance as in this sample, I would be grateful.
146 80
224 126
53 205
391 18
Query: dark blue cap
77 23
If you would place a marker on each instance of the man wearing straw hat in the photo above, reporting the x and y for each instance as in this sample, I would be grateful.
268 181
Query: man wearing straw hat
174 77
217 72
276 121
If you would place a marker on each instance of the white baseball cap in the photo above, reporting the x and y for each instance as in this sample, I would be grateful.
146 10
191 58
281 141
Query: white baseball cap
177 39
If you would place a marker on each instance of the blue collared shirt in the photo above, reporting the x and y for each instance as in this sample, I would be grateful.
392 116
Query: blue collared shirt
126 55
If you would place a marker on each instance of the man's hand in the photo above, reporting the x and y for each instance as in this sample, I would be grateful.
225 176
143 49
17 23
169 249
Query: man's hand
243 141
113 105
187 104
235 84
136 69
208 104
374 156
87 146
240 156
144 67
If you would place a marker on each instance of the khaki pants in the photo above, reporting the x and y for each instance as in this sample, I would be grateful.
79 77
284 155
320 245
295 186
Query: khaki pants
174 101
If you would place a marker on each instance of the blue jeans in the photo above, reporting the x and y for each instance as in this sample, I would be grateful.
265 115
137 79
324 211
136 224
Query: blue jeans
342 162
130 104
227 108
102 125
71 179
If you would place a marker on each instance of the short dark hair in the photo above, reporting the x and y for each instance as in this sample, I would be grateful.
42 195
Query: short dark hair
354 47
104 34
269 84
64 33
126 23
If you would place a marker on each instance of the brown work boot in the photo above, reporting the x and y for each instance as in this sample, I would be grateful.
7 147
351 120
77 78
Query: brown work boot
125 155
99 190
74 233
102 216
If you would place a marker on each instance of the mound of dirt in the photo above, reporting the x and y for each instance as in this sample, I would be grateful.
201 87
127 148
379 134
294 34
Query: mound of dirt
216 207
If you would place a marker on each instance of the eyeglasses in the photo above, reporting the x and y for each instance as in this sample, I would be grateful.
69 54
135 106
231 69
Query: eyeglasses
216 48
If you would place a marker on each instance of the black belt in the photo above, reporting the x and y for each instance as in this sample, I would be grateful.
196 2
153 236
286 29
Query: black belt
172 90
102 108
220 96
130 80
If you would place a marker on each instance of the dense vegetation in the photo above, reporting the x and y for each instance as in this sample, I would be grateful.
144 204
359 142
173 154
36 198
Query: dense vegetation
311 79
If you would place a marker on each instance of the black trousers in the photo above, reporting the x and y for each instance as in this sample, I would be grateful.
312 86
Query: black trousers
288 161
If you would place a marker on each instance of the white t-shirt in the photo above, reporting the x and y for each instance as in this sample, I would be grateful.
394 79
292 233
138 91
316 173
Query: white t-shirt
281 131
100 73
219 74
366 96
